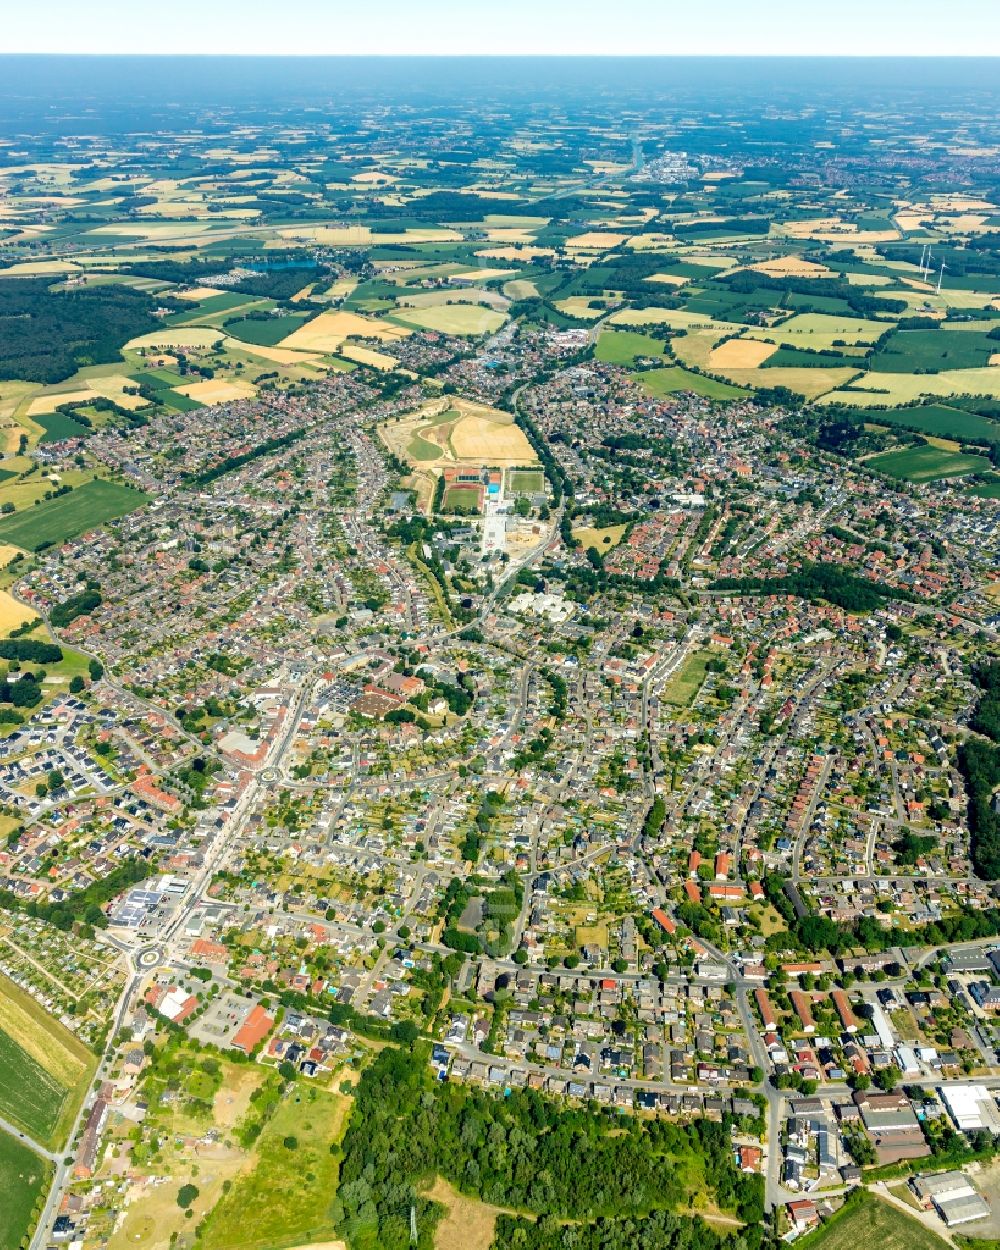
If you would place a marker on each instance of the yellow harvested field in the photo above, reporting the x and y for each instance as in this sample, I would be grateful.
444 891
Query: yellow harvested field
53 1048
812 383
472 319
792 267
365 356
740 354
327 330
484 275
894 389
476 438
525 253
344 236
7 553
668 279
277 355
822 330
176 336
676 318
579 306
198 293
111 387
652 243
12 613
26 268
217 391
341 288
995 360
154 230
595 241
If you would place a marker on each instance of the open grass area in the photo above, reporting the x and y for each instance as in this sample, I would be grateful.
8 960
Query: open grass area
871 1222
685 684
622 347
933 351
468 1223
44 1069
673 380
23 1178
600 539
270 1206
927 464
55 520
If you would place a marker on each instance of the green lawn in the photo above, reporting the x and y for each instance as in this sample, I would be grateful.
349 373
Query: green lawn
55 520
463 499
23 1179
927 464
622 347
177 401
287 1198
685 684
526 482
671 381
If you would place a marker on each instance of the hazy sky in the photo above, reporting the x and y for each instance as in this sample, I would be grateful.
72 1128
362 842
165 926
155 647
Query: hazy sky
614 27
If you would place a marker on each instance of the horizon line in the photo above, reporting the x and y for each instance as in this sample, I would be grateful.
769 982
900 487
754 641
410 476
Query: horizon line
527 56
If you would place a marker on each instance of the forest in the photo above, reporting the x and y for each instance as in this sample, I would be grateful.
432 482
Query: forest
45 335
525 1152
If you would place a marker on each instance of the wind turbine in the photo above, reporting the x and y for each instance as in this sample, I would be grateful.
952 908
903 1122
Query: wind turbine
941 277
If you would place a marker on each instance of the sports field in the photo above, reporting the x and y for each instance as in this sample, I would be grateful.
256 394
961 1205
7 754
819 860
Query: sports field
44 1069
55 520
23 1177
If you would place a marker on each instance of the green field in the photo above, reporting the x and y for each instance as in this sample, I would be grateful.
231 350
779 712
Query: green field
871 1222
526 481
23 1179
938 420
271 1206
684 685
673 380
264 333
55 520
463 499
927 464
177 401
30 1097
933 351
987 490
623 347
57 425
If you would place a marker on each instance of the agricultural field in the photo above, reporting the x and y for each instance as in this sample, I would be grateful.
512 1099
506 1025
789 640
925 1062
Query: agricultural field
461 319
937 420
927 464
55 520
266 332
674 379
44 1069
623 347
933 351
24 1177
